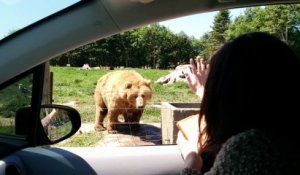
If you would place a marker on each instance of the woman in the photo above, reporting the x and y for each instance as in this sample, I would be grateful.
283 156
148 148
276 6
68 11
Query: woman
250 105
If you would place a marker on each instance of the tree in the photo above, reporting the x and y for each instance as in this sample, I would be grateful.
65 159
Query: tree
203 45
180 49
252 20
282 20
156 40
217 35
220 25
152 46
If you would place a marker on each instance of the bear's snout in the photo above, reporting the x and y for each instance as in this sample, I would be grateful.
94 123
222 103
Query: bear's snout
139 102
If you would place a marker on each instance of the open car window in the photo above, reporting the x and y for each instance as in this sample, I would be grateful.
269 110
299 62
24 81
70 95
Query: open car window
155 52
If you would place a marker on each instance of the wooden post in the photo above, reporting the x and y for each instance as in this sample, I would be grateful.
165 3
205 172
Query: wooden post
51 87
47 94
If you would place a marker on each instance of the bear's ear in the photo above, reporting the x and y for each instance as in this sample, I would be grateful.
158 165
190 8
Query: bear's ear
148 82
127 85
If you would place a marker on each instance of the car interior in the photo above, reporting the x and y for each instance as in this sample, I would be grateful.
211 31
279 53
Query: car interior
24 150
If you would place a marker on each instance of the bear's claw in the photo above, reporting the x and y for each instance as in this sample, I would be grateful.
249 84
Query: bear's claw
99 128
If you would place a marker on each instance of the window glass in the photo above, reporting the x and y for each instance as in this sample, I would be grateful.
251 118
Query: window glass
12 98
159 52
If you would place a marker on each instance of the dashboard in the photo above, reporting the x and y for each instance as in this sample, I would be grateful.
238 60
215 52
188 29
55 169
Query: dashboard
94 160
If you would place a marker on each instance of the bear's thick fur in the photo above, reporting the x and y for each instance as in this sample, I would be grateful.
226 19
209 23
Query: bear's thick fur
122 92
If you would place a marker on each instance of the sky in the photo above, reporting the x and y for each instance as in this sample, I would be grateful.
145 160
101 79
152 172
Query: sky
196 25
15 14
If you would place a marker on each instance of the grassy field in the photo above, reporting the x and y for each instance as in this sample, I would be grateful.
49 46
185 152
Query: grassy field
75 85
72 84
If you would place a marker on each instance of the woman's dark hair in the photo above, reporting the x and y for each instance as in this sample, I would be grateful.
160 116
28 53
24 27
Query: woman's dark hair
252 84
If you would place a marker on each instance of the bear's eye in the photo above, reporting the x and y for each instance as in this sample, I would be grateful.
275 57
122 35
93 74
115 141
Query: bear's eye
143 95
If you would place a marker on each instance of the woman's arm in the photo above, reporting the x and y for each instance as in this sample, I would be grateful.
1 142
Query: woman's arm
191 154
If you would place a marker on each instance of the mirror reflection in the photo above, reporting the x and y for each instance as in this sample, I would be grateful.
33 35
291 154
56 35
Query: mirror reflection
56 122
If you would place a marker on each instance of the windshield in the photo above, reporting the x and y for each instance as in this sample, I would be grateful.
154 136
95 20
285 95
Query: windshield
17 14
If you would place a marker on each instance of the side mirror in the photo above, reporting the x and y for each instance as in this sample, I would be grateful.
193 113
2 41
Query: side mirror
57 122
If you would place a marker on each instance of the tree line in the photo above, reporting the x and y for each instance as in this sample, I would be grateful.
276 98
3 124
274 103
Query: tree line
155 46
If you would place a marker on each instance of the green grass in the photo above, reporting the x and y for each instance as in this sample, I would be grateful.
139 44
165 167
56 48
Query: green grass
72 84
60 131
11 98
84 139
7 125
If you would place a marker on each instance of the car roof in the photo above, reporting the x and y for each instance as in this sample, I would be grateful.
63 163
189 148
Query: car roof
91 20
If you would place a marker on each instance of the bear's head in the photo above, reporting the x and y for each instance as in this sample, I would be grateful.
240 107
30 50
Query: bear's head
137 93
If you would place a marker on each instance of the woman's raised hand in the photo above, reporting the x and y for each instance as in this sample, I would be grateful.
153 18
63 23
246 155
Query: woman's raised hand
197 75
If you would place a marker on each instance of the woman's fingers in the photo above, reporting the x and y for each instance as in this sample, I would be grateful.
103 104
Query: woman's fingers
188 78
193 68
191 79
207 69
198 63
202 65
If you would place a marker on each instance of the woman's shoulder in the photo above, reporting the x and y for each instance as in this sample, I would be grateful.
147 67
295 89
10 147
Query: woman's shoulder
251 145
248 140
249 152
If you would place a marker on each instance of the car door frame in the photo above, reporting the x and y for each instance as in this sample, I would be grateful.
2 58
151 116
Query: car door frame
13 143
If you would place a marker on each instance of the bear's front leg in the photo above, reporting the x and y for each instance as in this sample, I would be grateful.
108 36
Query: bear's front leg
136 116
100 112
112 121
99 118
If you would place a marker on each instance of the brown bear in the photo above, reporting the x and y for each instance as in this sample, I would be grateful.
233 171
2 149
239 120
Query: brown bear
122 92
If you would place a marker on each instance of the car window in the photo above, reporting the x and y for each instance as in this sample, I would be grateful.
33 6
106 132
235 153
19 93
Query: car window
12 98
158 54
